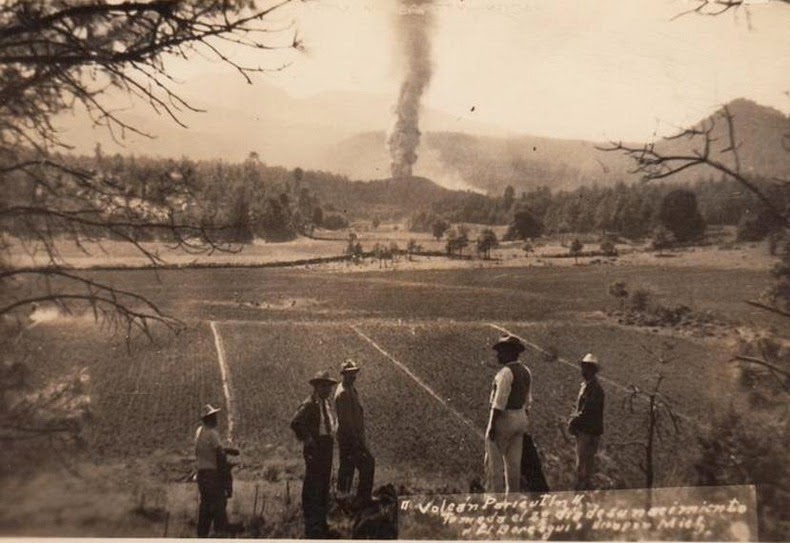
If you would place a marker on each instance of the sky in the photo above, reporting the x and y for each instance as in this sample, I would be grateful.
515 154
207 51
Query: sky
597 70
586 69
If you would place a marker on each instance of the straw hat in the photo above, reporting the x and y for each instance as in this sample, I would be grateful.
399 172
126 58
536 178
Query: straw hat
208 410
590 358
349 366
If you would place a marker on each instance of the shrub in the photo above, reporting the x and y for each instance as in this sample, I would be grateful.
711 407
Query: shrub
335 222
608 248
662 238
679 214
756 227
640 299
619 290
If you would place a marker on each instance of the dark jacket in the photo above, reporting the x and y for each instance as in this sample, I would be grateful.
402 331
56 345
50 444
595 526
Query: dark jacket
306 420
588 417
350 417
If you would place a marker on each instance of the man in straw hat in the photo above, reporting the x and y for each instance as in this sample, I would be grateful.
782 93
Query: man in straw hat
586 422
212 482
510 401
351 440
315 425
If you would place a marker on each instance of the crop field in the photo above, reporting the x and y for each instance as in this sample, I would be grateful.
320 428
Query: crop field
423 339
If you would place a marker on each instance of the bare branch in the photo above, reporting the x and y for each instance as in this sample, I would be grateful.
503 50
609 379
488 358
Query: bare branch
770 308
764 363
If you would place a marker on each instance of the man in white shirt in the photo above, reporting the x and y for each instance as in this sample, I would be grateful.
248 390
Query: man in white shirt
315 425
511 397
209 452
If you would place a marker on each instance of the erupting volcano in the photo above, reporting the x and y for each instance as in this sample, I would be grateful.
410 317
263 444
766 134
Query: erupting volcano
404 135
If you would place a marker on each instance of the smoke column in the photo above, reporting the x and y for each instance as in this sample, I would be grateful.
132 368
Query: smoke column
414 25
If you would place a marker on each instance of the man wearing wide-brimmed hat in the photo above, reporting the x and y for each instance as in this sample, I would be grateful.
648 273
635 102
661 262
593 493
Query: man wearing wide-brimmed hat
315 425
586 422
209 453
352 442
511 397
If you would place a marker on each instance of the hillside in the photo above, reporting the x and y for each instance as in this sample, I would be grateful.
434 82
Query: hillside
390 198
490 163
760 133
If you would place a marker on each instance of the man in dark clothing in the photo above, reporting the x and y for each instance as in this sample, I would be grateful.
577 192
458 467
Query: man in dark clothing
315 425
586 422
354 452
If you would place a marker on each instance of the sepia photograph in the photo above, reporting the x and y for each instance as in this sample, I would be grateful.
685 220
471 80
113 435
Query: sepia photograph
395 269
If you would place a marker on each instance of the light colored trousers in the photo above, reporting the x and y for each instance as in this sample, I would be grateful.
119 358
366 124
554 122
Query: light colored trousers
586 449
503 455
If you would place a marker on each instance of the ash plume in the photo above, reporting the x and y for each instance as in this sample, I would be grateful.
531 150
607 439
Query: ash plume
414 26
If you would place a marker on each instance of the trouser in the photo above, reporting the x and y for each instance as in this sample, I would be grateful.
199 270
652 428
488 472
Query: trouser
355 456
503 455
586 449
212 502
315 490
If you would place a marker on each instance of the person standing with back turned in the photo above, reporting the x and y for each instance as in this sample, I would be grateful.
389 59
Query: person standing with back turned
586 422
511 398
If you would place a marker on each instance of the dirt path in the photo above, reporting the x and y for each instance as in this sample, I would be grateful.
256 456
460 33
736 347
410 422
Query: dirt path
225 372
420 382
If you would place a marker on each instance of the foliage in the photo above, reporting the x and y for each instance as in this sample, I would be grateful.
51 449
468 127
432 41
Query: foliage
59 56
457 240
575 248
524 226
662 238
439 227
59 410
413 247
779 294
679 214
619 290
640 299
335 221
628 210
757 226
659 411
745 446
608 247
486 241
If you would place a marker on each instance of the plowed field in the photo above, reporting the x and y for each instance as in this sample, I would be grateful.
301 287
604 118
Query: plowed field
423 339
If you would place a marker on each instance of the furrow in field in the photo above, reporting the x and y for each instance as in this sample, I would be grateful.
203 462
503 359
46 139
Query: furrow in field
409 431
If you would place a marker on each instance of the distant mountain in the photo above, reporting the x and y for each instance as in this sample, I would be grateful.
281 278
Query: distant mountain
762 137
344 133
490 163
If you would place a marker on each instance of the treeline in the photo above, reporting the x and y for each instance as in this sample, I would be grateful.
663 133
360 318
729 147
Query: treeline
630 210
234 202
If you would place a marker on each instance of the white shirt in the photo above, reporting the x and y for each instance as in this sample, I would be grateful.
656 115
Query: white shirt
500 392
206 444
330 411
